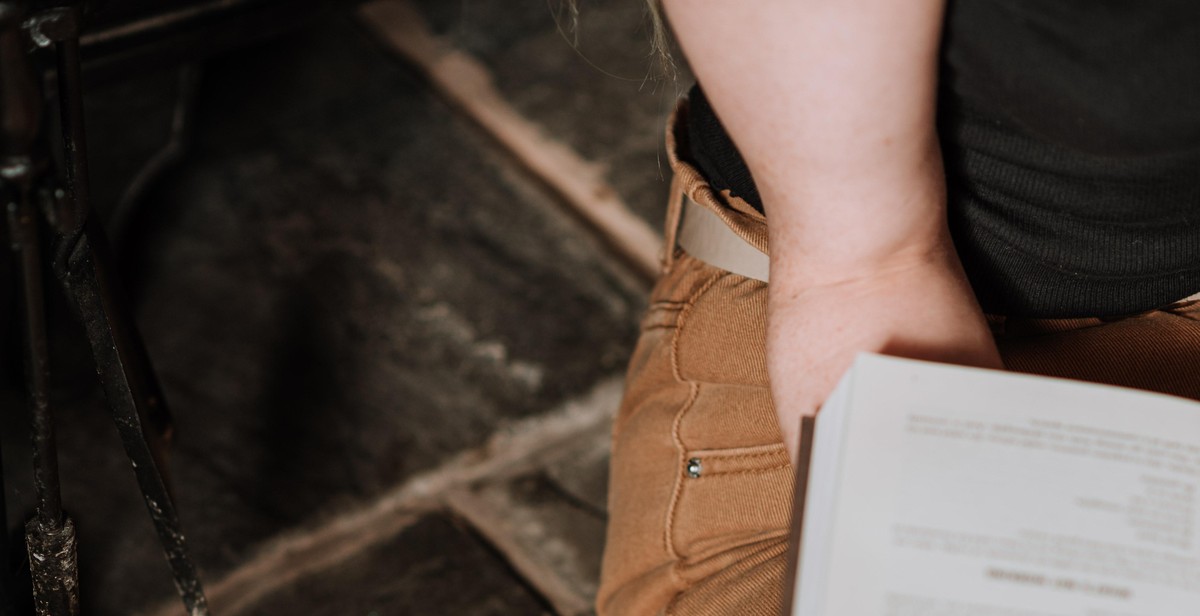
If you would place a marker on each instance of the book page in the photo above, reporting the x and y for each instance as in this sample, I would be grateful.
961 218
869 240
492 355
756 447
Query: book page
970 492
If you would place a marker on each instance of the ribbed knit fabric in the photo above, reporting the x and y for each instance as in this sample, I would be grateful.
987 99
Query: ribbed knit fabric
1044 231
1070 132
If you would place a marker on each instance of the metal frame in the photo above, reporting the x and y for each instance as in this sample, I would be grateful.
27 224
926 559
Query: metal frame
79 256
42 195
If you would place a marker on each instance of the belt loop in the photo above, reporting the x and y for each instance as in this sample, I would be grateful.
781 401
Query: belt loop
674 218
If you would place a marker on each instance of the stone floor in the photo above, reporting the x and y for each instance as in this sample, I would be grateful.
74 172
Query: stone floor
391 350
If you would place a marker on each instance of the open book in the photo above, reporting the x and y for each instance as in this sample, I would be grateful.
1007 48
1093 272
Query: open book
935 490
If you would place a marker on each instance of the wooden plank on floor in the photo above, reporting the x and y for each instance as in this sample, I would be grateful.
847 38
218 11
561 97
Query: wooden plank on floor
512 450
466 83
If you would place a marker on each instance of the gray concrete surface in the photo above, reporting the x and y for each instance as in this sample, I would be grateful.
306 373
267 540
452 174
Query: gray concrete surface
345 284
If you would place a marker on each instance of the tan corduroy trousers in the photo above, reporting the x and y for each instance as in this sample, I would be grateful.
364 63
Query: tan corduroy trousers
701 485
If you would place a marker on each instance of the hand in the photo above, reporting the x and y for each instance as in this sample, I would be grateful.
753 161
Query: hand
915 306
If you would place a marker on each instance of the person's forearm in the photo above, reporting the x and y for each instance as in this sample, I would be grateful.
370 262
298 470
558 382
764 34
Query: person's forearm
831 103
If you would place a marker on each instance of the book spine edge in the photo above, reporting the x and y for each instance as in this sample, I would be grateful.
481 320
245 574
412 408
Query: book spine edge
803 463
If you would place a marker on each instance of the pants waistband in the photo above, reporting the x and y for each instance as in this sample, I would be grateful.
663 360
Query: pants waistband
706 237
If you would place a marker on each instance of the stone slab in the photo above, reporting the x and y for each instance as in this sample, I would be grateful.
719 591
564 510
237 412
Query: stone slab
590 81
344 284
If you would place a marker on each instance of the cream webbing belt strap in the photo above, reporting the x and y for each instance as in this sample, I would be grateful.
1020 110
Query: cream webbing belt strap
706 237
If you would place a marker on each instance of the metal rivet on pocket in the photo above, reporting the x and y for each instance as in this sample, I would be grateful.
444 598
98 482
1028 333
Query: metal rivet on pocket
694 468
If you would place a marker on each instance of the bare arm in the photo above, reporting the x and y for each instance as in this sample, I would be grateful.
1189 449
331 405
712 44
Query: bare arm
832 104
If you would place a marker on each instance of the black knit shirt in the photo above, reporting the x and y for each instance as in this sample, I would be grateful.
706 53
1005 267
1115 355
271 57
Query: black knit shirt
1070 132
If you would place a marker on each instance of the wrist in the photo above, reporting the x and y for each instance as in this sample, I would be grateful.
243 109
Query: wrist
828 234
821 269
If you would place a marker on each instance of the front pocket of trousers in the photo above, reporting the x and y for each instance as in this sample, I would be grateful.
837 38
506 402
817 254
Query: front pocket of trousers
731 501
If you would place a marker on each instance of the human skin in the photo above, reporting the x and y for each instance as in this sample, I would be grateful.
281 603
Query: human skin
832 105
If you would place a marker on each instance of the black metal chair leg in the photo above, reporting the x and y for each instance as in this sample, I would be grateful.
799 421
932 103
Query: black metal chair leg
71 219
87 276
84 265
6 579
49 536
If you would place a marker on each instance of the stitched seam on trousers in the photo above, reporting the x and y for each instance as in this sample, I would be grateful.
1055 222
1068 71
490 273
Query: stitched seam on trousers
766 538
1010 335
747 450
1107 321
740 456
669 526
748 471
776 545
684 312
1189 314
694 391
